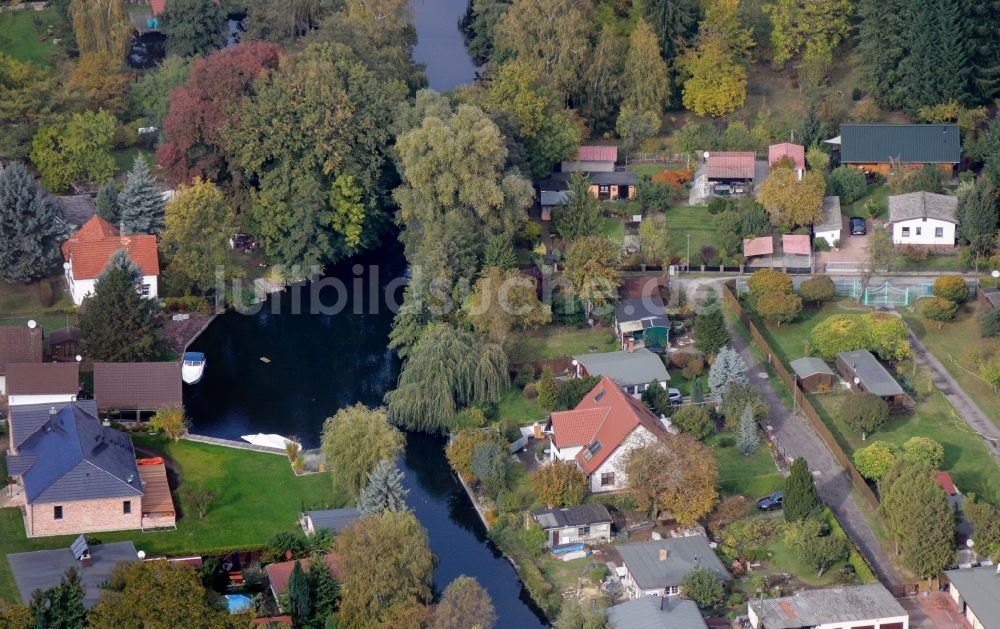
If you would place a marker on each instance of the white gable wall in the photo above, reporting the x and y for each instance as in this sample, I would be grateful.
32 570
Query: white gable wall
830 236
615 463
920 231
80 289
52 398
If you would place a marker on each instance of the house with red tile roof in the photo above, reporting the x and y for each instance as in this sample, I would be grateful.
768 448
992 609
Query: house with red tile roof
88 251
794 152
600 431
592 159
730 166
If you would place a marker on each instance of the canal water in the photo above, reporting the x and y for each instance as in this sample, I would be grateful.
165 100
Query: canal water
440 45
317 363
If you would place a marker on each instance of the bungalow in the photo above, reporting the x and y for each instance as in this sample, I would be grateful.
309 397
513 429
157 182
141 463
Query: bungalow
655 612
658 567
139 388
813 374
632 371
833 222
730 166
600 432
590 524
642 322
863 371
923 218
78 476
873 148
604 186
19 344
88 251
592 159
976 592
796 153
549 200
44 569
42 383
333 520
849 607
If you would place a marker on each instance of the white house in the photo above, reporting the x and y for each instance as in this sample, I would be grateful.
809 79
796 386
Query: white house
19 344
923 218
849 607
632 371
590 524
592 159
976 592
600 431
42 383
658 567
88 251
833 222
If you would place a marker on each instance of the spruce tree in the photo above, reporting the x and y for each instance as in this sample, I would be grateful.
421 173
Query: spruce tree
710 333
917 515
299 599
749 438
697 394
728 369
811 126
500 253
936 68
107 203
800 499
984 48
116 323
384 491
977 214
140 202
882 45
30 229
324 590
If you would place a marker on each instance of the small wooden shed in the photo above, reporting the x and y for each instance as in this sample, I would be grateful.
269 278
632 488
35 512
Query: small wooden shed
64 344
812 373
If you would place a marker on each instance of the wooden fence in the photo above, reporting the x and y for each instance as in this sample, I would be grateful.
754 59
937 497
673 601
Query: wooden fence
800 398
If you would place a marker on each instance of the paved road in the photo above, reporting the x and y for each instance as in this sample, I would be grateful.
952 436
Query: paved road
965 407
799 440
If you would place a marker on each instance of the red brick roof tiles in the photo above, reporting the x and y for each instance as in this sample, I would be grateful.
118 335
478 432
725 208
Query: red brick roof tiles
597 154
92 246
796 243
731 165
762 246
796 152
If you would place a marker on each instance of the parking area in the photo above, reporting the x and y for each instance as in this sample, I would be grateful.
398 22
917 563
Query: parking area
853 251
933 610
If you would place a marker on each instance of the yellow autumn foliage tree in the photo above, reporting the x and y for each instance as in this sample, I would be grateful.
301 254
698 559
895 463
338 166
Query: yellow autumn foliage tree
198 224
791 201
678 477
716 84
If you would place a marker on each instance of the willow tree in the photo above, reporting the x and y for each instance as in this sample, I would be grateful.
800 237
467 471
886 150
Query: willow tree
447 369
101 27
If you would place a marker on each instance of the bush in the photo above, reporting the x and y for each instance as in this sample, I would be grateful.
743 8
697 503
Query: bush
548 389
559 484
847 183
881 333
821 244
856 94
694 420
924 450
572 391
597 574
939 309
769 281
702 586
739 397
818 289
717 205
459 452
471 417
952 288
693 368
864 412
782 308
989 323
530 391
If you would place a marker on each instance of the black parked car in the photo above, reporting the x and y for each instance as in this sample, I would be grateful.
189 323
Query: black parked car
858 227
772 502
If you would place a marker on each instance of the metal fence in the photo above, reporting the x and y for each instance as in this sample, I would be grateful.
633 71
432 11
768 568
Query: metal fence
886 295
800 398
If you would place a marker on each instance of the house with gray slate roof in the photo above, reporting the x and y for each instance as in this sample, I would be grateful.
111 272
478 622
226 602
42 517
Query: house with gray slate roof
333 520
78 476
850 607
659 566
923 218
976 592
632 371
862 371
656 612
590 523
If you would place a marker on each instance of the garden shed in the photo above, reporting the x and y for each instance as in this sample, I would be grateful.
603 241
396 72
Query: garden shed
812 373
864 372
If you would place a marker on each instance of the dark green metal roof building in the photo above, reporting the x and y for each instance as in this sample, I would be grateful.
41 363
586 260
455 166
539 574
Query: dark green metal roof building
906 143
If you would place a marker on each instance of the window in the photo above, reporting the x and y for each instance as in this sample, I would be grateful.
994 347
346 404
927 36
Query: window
918 231
144 290
57 512
673 590
939 232
600 395
127 507
607 478
906 232
604 189
583 531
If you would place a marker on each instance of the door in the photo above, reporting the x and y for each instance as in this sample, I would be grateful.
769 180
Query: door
555 538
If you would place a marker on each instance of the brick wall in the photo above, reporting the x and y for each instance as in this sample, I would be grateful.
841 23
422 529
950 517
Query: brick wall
83 516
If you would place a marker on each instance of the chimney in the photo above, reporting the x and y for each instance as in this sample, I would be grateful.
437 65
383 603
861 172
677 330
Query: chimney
631 346
86 560
664 553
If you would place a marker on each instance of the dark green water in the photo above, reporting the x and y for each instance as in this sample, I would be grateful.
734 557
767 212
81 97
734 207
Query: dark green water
322 362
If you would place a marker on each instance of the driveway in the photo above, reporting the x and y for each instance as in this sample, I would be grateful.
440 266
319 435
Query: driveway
832 482
933 610
852 254
964 406
699 193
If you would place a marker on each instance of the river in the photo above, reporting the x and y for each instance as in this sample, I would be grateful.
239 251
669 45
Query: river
322 362
440 45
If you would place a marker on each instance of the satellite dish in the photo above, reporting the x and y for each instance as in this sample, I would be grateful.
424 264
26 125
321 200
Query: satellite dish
706 154
32 324
79 358
141 554
66 266
995 274
970 543
857 380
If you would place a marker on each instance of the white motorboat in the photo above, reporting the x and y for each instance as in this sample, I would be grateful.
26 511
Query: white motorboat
269 440
193 367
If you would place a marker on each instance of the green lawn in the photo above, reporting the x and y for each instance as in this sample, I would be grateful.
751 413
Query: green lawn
696 221
125 157
24 35
751 476
515 406
953 345
20 302
881 196
613 228
646 169
553 341
257 496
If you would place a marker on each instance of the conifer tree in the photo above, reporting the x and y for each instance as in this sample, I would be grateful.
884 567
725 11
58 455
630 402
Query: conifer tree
800 499
107 202
580 214
299 599
918 517
710 333
936 68
384 491
728 369
324 590
977 214
141 204
29 228
116 323
697 394
749 438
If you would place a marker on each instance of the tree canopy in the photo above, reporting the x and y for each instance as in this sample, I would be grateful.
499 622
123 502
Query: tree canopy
29 230
678 477
355 441
194 27
196 238
78 149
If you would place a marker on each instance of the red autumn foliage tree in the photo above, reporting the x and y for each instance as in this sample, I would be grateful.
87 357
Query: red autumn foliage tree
204 104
